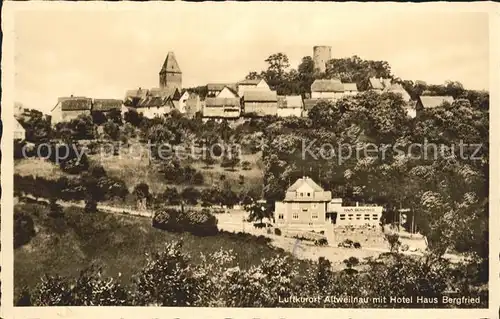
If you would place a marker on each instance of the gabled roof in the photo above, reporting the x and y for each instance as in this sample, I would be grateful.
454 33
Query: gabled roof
105 105
154 101
310 103
221 86
327 86
231 90
290 101
222 102
170 64
376 83
250 82
75 103
18 125
305 180
260 96
170 92
350 87
136 93
435 101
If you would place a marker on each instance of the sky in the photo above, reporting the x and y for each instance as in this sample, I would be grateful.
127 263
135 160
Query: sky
102 53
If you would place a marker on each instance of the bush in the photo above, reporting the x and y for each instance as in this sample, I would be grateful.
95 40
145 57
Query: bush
351 262
246 165
200 223
321 242
356 245
24 229
259 225
277 231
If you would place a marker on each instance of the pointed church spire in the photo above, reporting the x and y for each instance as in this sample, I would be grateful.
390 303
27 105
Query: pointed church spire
170 64
170 73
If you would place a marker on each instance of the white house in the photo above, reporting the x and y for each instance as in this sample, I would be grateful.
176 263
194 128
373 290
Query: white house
327 89
291 105
385 85
350 88
430 102
69 108
252 84
228 93
214 89
19 131
182 102
153 106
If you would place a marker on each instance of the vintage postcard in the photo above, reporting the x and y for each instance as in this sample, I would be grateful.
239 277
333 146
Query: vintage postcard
249 160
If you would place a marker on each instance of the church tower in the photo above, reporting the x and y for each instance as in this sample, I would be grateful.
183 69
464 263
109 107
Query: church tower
170 73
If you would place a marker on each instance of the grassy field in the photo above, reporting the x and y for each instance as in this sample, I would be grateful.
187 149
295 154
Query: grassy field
133 169
66 245
38 167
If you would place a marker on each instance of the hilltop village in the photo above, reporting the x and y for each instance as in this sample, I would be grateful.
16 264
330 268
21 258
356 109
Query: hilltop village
251 97
284 212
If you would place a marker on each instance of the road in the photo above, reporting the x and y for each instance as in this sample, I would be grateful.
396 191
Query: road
235 222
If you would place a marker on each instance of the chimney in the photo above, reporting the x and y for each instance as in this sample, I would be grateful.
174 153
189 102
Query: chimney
357 204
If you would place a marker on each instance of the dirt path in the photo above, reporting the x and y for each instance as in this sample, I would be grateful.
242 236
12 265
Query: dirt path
234 222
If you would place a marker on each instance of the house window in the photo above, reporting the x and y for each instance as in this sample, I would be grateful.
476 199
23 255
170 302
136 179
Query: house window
314 215
301 194
315 206
280 216
304 210
342 216
358 216
350 216
295 216
308 194
375 217
367 216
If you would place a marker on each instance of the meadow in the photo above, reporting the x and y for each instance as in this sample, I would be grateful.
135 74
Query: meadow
68 244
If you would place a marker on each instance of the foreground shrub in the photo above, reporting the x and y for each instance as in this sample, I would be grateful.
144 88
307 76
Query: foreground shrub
24 229
167 279
277 231
89 289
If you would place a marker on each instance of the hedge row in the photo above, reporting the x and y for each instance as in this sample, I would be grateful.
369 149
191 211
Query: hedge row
200 223
67 188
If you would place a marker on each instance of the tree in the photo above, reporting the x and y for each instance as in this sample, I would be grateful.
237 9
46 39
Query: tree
275 73
115 116
112 130
230 161
134 118
190 195
306 74
253 76
98 117
142 194
167 279
355 69
394 243
37 126
159 134
24 229
171 196
258 211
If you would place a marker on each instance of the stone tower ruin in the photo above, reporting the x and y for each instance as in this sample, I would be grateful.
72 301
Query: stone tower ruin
321 55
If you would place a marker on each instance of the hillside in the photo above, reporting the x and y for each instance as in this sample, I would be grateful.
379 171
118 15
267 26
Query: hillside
65 246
